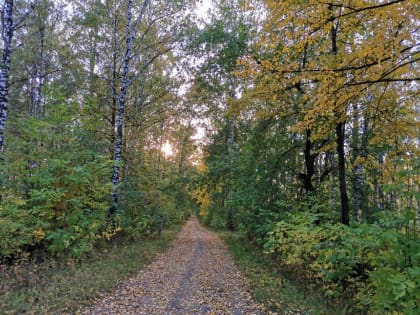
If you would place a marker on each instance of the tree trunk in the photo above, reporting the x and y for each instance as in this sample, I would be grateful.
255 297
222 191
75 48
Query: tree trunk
8 27
340 132
114 83
357 170
39 75
379 185
333 182
92 59
5 66
130 32
309 164
114 100
364 206
120 113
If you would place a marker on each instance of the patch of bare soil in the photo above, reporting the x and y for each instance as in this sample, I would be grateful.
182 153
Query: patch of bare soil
196 275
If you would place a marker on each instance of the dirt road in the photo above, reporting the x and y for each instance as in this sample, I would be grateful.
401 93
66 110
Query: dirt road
195 275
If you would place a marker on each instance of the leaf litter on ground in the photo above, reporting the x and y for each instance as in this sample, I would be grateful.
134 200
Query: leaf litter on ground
195 275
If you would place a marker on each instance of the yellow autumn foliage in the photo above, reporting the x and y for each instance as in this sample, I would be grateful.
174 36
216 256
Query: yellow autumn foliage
39 234
375 45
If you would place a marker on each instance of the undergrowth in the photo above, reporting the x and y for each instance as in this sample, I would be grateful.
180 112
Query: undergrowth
276 289
66 285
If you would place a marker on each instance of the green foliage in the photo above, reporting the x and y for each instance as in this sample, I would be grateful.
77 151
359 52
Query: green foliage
142 227
18 229
147 204
396 289
270 284
374 264
58 185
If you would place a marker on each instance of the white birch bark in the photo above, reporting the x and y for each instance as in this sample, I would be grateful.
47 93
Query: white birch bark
8 27
39 76
130 32
7 36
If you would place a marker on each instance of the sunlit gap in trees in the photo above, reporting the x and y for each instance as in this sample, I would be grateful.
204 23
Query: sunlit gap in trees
167 149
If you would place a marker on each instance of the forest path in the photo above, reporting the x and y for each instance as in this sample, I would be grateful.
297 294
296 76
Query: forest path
195 275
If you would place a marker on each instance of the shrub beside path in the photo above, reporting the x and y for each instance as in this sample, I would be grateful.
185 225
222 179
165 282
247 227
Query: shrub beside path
195 275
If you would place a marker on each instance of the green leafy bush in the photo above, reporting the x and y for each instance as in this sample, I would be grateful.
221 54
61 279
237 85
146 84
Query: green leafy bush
376 266
142 227
57 184
19 229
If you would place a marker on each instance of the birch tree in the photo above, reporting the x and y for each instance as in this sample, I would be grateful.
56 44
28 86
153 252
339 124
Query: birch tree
9 23
131 30
152 31
7 36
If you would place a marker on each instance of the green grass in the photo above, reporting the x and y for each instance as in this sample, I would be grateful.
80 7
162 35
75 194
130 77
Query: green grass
270 285
56 288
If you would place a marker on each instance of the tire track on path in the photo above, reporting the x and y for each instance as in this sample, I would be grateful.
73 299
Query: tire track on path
195 275
175 303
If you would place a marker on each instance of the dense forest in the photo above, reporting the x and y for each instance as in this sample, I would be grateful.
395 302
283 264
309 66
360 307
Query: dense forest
293 123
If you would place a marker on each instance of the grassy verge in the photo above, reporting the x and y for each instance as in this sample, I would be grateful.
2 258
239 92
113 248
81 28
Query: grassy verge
57 288
270 286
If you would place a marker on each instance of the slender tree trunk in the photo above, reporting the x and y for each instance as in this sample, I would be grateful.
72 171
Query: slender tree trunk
114 82
92 57
130 33
8 27
92 60
114 99
37 81
333 183
358 184
7 35
357 170
340 132
39 76
380 191
120 112
309 164
364 193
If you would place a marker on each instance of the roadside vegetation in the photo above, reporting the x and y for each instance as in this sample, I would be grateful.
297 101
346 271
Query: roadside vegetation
58 286
279 290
